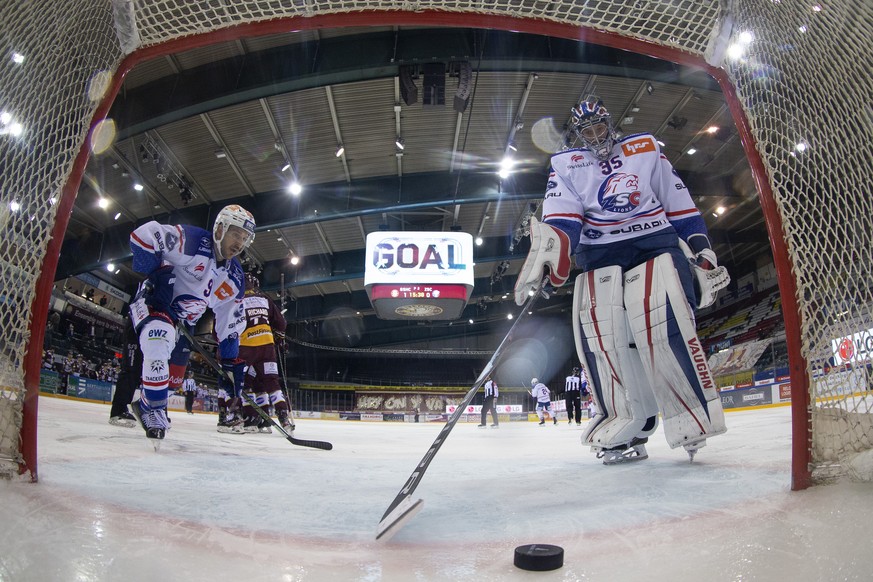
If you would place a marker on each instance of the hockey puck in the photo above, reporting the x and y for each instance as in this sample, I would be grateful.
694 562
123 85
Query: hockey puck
539 557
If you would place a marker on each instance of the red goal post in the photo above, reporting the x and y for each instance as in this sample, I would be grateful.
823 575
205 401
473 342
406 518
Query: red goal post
799 95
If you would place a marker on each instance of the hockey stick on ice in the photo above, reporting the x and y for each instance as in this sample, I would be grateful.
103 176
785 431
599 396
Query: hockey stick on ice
281 353
217 367
403 508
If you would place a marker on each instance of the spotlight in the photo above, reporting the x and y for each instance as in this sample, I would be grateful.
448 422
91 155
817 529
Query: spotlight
512 146
340 150
649 88
399 143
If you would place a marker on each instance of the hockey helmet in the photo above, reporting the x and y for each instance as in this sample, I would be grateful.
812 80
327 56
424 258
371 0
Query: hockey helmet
233 215
534 381
592 125
252 283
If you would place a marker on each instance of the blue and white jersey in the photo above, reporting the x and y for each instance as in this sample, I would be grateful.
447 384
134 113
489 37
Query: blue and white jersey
541 392
201 283
635 192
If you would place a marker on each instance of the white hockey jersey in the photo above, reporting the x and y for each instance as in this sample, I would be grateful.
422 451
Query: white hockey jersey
635 192
201 283
541 393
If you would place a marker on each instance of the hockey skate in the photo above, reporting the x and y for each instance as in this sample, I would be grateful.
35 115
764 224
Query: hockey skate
482 426
285 421
635 451
555 420
233 418
125 419
251 423
542 422
231 424
153 421
692 449
265 426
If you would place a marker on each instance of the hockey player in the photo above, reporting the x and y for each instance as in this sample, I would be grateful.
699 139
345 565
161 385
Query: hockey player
264 323
541 392
491 393
188 270
574 384
642 246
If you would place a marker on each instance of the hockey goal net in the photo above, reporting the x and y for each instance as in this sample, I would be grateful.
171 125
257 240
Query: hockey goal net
795 73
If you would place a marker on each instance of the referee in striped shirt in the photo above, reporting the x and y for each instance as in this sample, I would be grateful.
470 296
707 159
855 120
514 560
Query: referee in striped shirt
573 396
491 393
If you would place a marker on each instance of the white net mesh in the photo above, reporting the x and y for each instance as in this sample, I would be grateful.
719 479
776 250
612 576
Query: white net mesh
803 78
53 53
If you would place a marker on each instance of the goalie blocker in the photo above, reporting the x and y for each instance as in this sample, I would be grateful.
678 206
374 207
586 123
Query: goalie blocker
636 332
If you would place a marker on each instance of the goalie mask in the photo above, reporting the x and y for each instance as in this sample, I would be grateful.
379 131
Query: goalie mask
229 217
593 127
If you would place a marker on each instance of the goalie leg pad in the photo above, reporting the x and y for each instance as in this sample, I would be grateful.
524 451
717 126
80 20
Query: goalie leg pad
663 327
625 403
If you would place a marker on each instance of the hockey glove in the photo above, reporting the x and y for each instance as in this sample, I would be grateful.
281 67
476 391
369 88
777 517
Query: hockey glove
550 253
233 380
709 278
159 289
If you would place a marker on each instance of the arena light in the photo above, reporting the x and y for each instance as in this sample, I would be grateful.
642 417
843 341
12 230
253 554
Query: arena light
17 58
138 187
340 150
103 203
110 267
295 188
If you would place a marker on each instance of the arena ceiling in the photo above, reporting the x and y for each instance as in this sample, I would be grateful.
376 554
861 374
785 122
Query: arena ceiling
241 120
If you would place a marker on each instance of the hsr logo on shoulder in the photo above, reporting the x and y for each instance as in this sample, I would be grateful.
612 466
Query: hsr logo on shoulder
638 146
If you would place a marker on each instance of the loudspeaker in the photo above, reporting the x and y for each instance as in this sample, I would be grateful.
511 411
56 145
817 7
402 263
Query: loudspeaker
408 90
465 86
434 84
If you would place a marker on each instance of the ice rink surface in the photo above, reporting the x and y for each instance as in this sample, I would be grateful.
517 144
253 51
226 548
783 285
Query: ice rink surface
217 507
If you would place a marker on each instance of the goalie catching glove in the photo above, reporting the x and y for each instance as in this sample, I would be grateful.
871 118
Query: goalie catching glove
549 248
708 276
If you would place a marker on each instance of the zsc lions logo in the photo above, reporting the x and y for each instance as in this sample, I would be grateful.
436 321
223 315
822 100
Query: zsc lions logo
620 193
170 240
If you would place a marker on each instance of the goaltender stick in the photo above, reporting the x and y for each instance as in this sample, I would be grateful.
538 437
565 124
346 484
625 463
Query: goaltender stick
643 247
